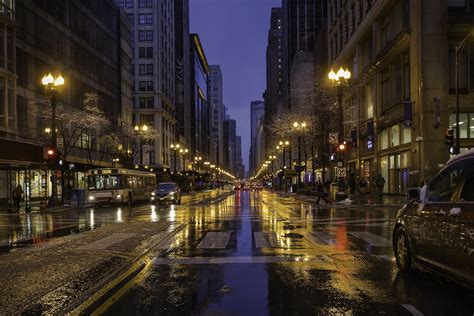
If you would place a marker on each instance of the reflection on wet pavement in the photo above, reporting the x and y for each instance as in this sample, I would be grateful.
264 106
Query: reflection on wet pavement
260 254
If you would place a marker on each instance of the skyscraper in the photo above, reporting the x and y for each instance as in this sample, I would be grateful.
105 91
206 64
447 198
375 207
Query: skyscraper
200 109
217 108
182 71
257 114
153 43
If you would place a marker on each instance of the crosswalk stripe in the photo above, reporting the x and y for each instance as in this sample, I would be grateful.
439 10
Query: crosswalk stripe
214 240
325 237
412 309
236 260
260 240
372 239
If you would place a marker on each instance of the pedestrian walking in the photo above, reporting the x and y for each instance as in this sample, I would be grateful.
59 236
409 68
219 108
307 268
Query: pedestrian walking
320 192
380 183
16 196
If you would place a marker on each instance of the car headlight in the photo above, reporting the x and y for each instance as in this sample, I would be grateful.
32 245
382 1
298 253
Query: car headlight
91 198
171 193
153 193
118 196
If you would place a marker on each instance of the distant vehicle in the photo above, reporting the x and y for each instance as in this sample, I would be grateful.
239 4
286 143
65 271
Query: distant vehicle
119 185
435 229
258 187
237 187
167 192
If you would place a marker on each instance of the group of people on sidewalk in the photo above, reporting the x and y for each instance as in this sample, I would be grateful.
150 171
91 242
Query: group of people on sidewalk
321 192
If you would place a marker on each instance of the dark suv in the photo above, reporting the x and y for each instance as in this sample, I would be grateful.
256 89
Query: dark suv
167 191
438 231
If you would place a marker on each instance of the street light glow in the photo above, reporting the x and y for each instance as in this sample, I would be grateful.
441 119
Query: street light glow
47 79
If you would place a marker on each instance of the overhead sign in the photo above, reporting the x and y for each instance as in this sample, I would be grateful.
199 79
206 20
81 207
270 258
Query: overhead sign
60 142
341 172
333 138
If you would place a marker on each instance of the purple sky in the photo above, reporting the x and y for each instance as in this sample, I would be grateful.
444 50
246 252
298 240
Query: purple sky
234 35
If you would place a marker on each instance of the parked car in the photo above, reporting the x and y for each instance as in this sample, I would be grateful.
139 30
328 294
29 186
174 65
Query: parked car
435 229
167 192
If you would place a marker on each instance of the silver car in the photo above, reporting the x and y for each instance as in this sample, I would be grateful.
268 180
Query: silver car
167 192
436 228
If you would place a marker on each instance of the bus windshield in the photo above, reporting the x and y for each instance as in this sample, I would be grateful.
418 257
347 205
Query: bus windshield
104 182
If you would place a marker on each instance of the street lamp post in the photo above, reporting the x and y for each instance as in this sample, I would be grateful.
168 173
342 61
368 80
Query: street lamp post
340 80
138 130
52 85
300 126
175 148
458 50
183 152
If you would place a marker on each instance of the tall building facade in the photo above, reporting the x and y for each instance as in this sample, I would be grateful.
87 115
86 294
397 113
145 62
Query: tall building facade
274 73
67 38
217 108
200 108
230 141
299 29
257 114
183 76
401 97
239 168
153 43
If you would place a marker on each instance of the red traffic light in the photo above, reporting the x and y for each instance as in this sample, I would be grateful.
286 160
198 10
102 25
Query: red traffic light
50 152
342 146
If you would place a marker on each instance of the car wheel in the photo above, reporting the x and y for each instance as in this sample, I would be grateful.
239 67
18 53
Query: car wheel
129 199
402 250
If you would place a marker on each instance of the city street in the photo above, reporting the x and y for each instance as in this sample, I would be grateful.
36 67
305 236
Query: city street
246 253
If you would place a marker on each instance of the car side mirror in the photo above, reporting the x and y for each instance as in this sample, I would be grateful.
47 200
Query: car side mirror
413 194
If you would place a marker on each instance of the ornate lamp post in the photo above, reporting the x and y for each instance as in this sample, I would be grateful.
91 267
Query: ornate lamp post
174 148
52 85
300 127
139 130
340 80
183 152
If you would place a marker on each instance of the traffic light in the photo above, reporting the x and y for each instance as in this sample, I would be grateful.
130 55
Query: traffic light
342 147
449 136
51 156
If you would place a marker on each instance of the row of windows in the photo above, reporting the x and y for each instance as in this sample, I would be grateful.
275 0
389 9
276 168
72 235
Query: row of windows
145 69
145 52
145 35
146 86
145 18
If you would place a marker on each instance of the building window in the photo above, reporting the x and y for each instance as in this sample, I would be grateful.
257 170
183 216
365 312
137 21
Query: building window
149 69
141 19
396 80
146 103
149 18
383 139
406 76
149 35
395 136
406 134
146 86
385 88
466 124
141 36
145 52
129 3
142 69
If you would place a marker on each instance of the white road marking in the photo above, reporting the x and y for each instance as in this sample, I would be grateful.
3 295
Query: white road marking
261 240
274 241
412 309
108 241
372 239
214 240
236 260
325 238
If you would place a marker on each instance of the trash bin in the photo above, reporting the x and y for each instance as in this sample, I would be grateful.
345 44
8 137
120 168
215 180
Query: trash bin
78 196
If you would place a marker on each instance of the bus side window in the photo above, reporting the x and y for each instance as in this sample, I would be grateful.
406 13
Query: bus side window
140 182
134 182
125 182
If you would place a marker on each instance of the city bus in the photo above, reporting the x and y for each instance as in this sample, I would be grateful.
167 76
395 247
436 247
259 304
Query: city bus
119 185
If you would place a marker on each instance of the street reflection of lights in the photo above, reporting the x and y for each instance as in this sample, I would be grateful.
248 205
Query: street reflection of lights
91 219
119 215
172 213
154 216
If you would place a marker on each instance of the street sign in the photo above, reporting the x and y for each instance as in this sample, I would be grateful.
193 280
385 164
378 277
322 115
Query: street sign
60 142
341 172
333 138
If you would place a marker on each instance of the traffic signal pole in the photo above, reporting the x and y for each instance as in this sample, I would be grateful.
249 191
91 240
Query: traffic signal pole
54 140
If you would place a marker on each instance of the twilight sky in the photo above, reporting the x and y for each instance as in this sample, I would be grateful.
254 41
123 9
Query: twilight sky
234 35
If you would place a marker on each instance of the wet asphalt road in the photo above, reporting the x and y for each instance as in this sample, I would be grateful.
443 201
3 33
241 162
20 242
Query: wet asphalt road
257 254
